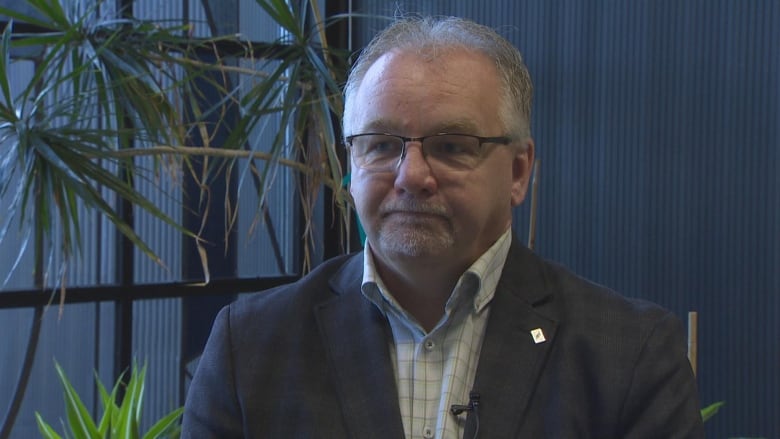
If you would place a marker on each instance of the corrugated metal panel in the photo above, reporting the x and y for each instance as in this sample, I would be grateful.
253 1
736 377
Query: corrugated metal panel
158 10
67 339
18 75
255 24
255 254
657 126
163 187
157 343
157 323
58 332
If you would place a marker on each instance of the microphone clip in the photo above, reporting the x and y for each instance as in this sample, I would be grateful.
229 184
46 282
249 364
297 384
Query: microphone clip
457 409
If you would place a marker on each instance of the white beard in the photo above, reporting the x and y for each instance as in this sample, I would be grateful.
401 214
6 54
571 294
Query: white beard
414 239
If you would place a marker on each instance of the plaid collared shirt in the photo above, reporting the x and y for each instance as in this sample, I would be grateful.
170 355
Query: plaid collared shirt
436 370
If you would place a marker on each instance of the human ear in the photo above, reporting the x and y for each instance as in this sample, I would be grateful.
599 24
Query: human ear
522 167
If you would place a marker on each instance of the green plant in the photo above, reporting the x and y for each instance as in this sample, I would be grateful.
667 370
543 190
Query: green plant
118 421
711 410
108 89
111 100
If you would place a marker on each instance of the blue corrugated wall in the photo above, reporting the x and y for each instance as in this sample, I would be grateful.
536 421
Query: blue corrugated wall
657 126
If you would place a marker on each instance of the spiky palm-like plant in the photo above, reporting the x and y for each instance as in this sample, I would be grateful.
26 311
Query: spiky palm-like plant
106 89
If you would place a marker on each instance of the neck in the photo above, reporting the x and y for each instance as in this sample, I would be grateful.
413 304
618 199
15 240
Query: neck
421 289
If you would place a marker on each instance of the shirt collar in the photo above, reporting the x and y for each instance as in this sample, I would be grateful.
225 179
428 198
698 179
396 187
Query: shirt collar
478 281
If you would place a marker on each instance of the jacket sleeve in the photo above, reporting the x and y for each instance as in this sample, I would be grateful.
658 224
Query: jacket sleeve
212 408
663 399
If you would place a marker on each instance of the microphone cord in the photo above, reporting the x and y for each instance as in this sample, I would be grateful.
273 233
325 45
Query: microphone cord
473 407
476 421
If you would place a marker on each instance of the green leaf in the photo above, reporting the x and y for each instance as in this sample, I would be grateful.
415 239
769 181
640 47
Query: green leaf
138 384
127 422
118 422
52 9
281 13
711 410
45 429
108 401
16 15
166 426
5 57
79 419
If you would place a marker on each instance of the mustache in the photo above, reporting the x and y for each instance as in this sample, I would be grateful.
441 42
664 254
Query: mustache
414 206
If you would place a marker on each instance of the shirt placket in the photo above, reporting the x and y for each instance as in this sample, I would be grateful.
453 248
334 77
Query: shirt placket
427 385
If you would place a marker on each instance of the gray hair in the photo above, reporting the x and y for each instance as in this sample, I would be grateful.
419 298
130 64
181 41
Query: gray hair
430 35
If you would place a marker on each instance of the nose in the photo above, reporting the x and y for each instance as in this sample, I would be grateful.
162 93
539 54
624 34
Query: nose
414 174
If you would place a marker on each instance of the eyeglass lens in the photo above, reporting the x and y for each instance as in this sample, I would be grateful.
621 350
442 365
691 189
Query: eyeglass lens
381 152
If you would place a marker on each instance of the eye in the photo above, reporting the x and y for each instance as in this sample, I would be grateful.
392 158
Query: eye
376 152
449 148
382 146
375 148
452 146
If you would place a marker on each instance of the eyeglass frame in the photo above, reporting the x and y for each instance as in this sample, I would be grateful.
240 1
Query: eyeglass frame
501 140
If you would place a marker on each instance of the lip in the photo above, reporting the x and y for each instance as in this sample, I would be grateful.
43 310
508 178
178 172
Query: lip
413 214
414 210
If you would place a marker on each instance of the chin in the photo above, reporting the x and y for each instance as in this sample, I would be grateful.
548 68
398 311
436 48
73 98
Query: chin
415 243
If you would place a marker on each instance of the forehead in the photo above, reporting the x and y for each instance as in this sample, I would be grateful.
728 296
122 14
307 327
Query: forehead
417 93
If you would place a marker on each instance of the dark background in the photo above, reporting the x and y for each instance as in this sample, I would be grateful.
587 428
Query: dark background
656 123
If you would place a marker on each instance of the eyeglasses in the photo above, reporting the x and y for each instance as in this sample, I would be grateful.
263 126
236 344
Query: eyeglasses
380 152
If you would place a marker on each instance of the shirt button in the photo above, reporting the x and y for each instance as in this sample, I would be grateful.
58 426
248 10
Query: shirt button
428 432
429 345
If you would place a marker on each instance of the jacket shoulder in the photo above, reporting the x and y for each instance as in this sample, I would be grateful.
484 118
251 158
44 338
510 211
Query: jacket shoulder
303 294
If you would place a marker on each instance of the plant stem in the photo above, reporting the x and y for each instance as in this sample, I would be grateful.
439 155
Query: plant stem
24 374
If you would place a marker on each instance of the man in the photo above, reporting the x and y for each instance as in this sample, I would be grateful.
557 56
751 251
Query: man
444 326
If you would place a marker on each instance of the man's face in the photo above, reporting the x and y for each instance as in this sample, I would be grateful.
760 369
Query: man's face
415 214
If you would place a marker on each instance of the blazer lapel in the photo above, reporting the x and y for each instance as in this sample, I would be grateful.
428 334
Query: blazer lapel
517 341
356 337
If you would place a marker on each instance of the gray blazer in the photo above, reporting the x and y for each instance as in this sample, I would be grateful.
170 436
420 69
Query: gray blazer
310 360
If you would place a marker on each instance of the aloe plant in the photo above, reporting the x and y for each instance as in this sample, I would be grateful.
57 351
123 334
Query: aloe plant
118 421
